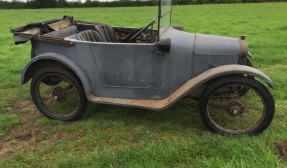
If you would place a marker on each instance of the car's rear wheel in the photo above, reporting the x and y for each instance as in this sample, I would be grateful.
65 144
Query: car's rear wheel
226 111
58 94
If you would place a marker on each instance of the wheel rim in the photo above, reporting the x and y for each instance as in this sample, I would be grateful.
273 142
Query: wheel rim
58 95
234 113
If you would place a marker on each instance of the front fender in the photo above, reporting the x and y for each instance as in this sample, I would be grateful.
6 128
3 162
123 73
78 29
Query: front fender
43 60
235 69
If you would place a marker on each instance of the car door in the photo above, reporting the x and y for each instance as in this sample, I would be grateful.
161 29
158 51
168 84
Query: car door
125 65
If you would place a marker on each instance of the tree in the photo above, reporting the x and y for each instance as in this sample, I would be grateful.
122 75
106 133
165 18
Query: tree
62 3
45 3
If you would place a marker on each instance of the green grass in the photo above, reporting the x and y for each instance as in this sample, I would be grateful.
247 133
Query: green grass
4 125
111 136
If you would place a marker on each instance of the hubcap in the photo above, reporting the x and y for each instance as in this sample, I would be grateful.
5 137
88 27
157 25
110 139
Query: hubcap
59 94
235 107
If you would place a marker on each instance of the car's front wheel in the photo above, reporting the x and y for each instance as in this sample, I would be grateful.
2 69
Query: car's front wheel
226 111
58 94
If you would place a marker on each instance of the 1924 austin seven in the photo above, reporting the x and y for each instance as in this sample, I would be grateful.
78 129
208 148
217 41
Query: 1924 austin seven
75 61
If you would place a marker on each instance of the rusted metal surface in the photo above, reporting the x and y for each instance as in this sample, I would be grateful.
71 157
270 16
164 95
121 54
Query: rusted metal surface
243 46
184 90
32 34
60 24
53 40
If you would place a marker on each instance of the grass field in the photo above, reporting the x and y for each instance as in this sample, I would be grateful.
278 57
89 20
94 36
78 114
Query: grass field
111 136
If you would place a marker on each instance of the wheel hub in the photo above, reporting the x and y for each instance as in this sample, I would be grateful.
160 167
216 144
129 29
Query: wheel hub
235 107
59 94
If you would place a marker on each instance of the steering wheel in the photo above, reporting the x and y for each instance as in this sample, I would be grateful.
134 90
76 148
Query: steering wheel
136 33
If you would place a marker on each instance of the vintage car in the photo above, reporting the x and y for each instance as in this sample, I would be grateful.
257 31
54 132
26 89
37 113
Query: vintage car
153 68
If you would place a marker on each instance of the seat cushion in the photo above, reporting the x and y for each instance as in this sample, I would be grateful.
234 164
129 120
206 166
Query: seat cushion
90 35
107 33
102 33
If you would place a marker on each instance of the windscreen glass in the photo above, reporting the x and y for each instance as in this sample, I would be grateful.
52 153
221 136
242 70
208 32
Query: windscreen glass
165 14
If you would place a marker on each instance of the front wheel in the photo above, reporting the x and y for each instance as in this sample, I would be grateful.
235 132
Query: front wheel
58 94
231 113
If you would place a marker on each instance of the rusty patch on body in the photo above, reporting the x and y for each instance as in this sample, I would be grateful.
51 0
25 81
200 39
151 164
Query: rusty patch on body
53 40
60 24
243 46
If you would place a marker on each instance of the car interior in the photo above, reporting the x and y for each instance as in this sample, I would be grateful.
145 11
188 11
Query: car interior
94 32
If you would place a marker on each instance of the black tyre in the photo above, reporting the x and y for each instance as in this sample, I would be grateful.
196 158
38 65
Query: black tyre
230 113
58 94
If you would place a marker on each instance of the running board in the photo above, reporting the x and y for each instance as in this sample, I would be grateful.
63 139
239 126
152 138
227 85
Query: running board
184 90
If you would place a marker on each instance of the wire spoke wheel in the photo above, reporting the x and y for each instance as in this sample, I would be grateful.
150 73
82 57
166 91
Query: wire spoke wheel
225 110
58 94
234 113
61 99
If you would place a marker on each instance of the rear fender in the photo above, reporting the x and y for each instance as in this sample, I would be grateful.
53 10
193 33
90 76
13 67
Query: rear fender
51 60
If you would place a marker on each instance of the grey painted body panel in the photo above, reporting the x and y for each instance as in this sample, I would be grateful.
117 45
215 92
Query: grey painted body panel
216 45
213 51
114 73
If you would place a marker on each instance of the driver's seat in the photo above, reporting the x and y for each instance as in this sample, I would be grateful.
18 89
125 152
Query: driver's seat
102 33
107 33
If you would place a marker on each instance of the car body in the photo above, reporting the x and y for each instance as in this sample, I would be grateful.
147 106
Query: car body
143 68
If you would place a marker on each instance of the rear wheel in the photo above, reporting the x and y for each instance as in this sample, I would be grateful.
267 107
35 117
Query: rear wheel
226 111
58 94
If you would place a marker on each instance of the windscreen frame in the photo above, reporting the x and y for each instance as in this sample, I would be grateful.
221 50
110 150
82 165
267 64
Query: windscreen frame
164 14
